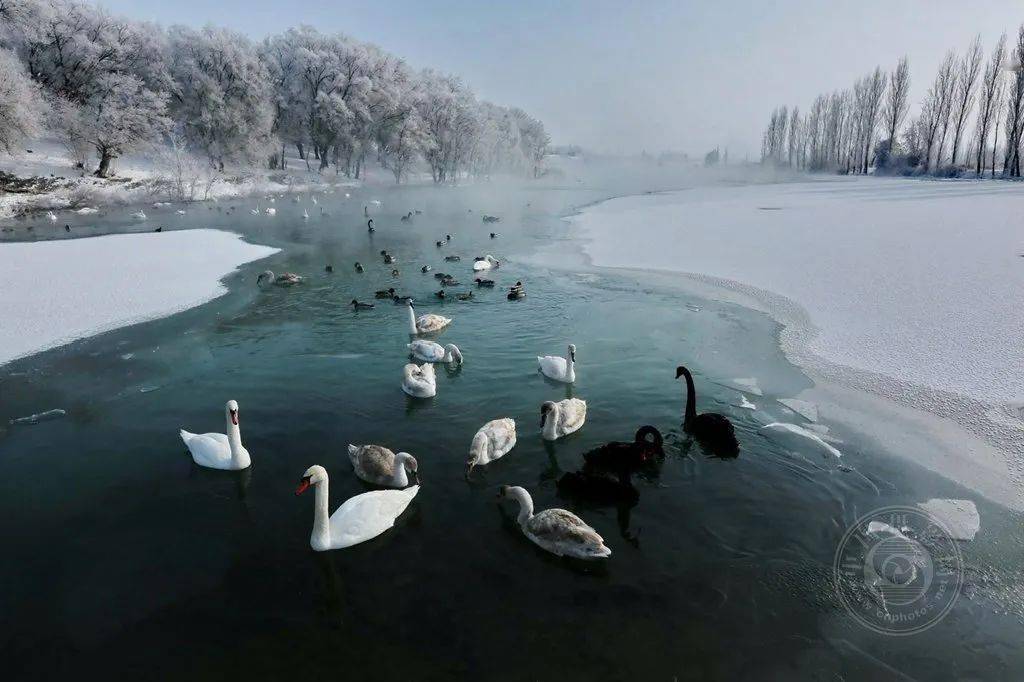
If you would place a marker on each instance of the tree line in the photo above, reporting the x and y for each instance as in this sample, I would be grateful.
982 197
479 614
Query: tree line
971 120
106 86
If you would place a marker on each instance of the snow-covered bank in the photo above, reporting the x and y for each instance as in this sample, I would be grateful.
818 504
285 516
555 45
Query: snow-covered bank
920 281
57 291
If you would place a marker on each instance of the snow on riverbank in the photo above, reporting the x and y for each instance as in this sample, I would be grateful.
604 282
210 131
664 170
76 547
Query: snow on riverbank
57 291
916 280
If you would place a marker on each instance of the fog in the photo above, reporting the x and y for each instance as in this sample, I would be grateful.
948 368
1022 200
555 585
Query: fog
624 77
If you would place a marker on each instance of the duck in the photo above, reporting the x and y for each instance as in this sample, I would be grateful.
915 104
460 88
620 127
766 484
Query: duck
286 279
559 369
425 269
441 275
619 456
491 219
466 296
67 228
439 294
359 519
430 351
180 211
377 465
141 215
447 237
406 217
313 198
389 259
453 259
395 272
418 380
425 324
562 418
516 294
217 450
711 429
485 263
359 267
398 299
439 243
369 225
484 282
558 531
329 268
384 293
493 441
494 235
362 306
450 281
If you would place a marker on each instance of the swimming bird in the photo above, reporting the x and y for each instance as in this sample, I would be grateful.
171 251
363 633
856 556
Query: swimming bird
180 211
255 211
67 228
384 293
369 225
389 259
427 323
305 214
447 237
619 456
401 300
556 530
484 282
438 243
395 272
494 235
377 465
283 280
439 294
559 369
494 440
467 296
485 263
430 351
52 216
418 380
453 259
425 269
361 306
709 428
141 215
270 211
359 267
405 218
159 229
562 418
491 219
450 281
360 518
441 275
217 450
329 268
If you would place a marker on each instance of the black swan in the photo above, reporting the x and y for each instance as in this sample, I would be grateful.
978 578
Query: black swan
627 456
709 428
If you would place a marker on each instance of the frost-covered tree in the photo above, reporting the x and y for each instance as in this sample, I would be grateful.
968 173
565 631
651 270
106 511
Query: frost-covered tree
221 93
963 96
897 101
21 104
990 95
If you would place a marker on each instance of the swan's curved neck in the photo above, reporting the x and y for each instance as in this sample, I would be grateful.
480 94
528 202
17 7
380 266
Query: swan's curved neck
551 422
525 505
691 399
234 440
398 476
570 367
412 321
321 536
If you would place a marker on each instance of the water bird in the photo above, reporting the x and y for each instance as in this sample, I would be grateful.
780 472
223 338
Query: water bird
447 237
441 275
401 300
453 259
159 229
425 269
329 268
427 323
450 281
395 272
218 450
359 519
181 211
389 259
485 263
430 351
562 418
361 306
384 293
52 216
516 293
484 282
272 211
439 243
709 428
418 381
559 369
359 267
406 217
464 296
141 215
369 225
313 198
619 456
67 228
418 212
494 235
556 530
493 441
491 219
380 466
283 280
440 294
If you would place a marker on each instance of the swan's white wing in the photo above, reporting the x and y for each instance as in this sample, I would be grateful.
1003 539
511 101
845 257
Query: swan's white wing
372 463
562 532
208 449
552 366
572 414
366 516
493 440
427 351
431 322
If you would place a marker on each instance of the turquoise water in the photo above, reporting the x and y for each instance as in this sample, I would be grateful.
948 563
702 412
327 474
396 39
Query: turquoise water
124 559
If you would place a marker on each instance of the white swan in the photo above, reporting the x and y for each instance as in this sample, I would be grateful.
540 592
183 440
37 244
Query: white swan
556 530
52 216
305 214
562 418
429 351
491 442
359 519
485 263
140 214
217 450
313 198
180 211
255 211
380 466
427 323
559 369
270 211
286 279
418 380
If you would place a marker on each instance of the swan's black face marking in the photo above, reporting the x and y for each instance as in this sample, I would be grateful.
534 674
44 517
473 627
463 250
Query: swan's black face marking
544 409
234 416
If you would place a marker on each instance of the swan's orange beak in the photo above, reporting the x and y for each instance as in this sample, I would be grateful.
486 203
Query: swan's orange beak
303 485
234 417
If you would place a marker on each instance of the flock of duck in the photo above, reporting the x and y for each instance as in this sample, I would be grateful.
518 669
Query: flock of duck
367 515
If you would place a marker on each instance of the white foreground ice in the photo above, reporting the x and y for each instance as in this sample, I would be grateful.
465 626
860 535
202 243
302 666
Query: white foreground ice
58 291
922 281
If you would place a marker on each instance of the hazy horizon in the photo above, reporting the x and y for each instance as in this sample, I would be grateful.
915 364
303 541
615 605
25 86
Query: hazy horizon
651 76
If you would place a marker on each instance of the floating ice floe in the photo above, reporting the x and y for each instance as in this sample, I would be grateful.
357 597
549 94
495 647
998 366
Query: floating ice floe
792 433
748 384
86 210
41 416
808 411
959 516
745 404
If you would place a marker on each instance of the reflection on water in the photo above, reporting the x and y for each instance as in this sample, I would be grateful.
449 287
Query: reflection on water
117 548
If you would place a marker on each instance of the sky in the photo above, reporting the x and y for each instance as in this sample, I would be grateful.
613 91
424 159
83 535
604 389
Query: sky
626 76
